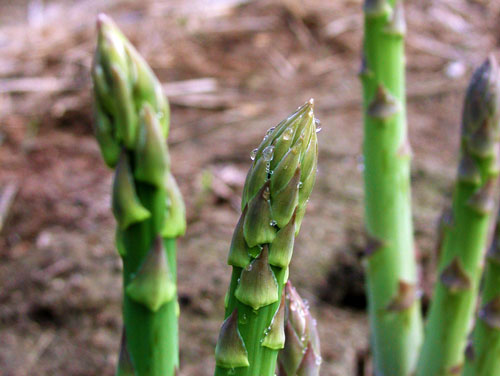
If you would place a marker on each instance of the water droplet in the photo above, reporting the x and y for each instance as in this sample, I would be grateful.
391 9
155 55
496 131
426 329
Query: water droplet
273 222
253 154
159 115
268 167
270 130
318 360
287 135
317 123
243 319
268 153
300 185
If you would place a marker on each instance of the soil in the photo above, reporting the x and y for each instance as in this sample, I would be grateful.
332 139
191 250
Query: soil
255 62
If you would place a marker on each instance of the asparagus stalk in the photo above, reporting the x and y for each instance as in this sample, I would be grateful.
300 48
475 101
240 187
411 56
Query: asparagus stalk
483 356
301 354
394 308
131 124
274 201
463 243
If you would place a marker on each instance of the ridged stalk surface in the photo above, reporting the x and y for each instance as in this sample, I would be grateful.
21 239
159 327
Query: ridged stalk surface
274 201
394 308
131 126
466 233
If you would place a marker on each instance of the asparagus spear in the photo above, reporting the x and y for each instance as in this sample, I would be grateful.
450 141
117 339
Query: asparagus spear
463 243
131 124
301 354
482 356
274 200
394 308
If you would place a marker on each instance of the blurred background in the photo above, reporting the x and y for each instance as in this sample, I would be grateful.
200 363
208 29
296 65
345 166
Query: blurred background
231 69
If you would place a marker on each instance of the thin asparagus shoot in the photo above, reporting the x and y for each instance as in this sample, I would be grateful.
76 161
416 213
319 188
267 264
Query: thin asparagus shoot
465 239
274 201
393 304
301 354
131 125
482 354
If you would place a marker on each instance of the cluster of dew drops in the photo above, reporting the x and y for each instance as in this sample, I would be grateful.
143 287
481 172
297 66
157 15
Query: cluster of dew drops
268 152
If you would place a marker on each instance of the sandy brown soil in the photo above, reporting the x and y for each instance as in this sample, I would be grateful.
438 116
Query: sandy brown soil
257 61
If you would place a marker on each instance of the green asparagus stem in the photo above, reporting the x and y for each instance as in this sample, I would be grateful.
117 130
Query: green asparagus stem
465 239
483 356
301 354
275 196
394 308
132 120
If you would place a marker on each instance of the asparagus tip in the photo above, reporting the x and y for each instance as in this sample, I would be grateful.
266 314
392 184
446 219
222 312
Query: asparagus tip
480 122
101 20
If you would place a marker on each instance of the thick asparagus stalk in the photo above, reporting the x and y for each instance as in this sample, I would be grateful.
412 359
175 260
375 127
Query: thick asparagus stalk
482 357
131 124
301 354
274 201
394 308
465 239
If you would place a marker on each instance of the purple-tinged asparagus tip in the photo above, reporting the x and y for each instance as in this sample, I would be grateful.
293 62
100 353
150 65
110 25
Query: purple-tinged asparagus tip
102 19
